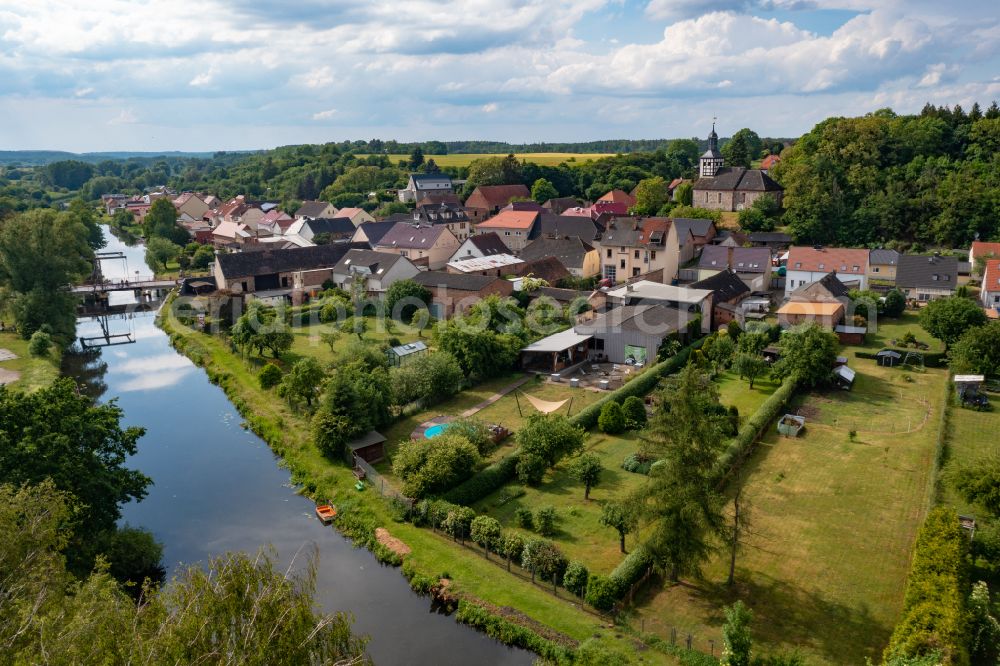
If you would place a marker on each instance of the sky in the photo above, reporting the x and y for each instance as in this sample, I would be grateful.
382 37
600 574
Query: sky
150 75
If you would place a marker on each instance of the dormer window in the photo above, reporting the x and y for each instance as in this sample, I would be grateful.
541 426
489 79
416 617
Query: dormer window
798 264
856 268
934 277
822 266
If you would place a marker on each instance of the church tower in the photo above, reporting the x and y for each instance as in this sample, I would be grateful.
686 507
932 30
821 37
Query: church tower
711 161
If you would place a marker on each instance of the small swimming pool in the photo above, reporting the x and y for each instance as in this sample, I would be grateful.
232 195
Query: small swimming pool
436 430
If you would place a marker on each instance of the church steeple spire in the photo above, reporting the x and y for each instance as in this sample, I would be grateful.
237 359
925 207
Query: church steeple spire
712 160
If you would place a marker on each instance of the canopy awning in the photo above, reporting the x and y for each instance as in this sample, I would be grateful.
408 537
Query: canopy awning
557 342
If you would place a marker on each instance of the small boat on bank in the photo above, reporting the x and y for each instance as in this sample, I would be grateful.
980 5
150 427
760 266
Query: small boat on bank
326 513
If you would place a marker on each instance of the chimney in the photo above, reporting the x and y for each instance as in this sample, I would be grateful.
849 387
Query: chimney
729 256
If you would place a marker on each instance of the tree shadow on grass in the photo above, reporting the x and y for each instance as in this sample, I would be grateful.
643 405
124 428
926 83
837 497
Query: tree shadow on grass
787 616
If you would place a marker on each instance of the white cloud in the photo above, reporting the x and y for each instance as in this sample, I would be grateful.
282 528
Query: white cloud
324 115
491 107
937 73
320 77
125 117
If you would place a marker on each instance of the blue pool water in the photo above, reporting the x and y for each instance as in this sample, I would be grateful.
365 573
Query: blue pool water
435 430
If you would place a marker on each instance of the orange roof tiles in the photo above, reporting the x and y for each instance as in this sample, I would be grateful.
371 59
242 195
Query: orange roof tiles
511 219
842 260
618 196
991 275
811 308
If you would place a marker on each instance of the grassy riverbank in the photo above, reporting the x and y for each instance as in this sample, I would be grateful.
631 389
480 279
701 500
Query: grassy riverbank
33 372
287 432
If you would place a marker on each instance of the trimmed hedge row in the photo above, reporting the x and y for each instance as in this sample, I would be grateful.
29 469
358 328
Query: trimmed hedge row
755 426
931 359
631 569
485 482
509 633
934 608
640 386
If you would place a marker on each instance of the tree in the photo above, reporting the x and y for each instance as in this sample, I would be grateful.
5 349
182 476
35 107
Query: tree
947 319
84 214
480 353
416 158
575 578
612 418
542 190
431 378
160 251
485 531
161 220
428 466
984 630
740 526
737 151
41 253
404 297
977 351
750 367
895 303
587 470
40 344
530 469
808 353
270 376
510 546
458 522
753 219
684 194
979 483
550 437
621 517
495 171
681 501
545 521
304 381
650 196
330 339
721 350
635 412
544 559
357 325
736 641
133 556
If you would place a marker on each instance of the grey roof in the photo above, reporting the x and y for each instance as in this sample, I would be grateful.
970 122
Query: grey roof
373 261
770 237
881 257
436 213
571 252
332 225
373 437
265 262
739 179
311 208
646 318
626 237
744 259
489 243
568 225
375 230
697 227
411 236
409 348
724 285
829 285
931 271
458 281
420 178
712 153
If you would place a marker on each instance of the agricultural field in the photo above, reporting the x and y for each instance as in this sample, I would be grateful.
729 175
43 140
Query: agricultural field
543 159
833 521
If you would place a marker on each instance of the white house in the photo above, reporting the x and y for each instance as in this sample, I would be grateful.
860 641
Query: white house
378 269
989 293
479 246
421 184
808 264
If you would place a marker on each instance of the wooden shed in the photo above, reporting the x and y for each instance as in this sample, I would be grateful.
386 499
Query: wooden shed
370 447
851 335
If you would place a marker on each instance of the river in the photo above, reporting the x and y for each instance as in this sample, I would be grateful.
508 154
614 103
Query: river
217 488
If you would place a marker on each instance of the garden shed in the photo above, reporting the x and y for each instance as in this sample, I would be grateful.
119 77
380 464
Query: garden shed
370 447
851 335
968 385
843 377
888 358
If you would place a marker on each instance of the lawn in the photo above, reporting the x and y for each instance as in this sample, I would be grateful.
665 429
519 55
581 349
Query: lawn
579 533
971 436
737 392
894 329
543 159
35 372
833 524
506 411
307 340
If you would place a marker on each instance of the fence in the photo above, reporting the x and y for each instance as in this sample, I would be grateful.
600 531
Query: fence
384 488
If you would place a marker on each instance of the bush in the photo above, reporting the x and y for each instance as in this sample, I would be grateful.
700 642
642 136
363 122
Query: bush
545 521
40 344
509 633
602 592
524 518
635 412
575 578
755 425
490 479
530 469
428 466
270 376
631 569
636 463
612 418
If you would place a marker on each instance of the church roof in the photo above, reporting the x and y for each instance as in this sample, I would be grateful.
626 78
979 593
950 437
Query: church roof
739 179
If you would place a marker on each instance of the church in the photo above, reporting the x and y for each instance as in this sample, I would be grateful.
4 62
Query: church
729 188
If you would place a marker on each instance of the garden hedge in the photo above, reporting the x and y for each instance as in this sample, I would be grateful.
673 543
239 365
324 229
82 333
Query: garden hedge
934 608
755 426
631 569
492 478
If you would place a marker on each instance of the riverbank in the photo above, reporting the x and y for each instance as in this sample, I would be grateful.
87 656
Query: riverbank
472 578
31 372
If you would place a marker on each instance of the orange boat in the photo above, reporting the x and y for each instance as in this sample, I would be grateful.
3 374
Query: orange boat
326 513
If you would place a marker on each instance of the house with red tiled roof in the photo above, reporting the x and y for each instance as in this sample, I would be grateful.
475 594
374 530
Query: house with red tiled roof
982 250
809 264
989 293
616 202
768 162
514 227
487 200
631 247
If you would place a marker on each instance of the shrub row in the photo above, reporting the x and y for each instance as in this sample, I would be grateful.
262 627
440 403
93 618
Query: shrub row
510 633
604 591
931 359
640 386
491 478
755 425
934 613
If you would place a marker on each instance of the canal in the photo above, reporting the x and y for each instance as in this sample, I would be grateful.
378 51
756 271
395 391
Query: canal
218 488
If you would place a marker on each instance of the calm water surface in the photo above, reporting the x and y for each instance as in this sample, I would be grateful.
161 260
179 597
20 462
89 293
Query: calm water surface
219 488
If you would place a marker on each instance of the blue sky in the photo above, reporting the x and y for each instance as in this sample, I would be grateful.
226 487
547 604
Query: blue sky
236 74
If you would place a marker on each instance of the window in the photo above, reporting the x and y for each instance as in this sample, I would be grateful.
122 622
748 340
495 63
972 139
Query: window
623 263
610 272
652 255
855 268
798 264
404 253
635 271
506 233
822 266
636 254
609 253
874 269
